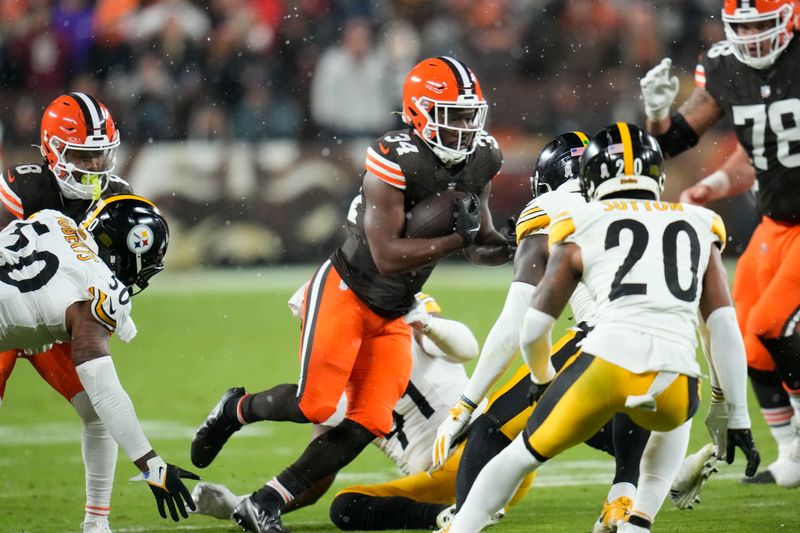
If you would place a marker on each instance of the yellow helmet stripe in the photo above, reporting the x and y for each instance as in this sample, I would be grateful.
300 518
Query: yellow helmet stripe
627 147
582 136
111 199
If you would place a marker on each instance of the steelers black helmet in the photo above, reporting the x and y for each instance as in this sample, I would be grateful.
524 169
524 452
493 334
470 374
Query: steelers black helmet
620 158
558 162
131 236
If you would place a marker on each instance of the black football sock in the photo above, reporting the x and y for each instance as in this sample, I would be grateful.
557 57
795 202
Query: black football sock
767 388
353 511
785 352
629 443
325 455
484 441
279 404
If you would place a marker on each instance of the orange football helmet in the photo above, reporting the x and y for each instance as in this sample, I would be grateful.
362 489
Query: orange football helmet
443 102
79 143
761 47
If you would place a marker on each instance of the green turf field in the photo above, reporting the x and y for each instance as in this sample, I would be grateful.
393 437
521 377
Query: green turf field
200 334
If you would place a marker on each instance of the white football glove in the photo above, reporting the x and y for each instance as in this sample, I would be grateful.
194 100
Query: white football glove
418 317
659 90
717 425
453 427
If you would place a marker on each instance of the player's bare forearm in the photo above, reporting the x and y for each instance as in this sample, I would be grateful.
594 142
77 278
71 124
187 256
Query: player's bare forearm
740 171
530 260
715 285
492 250
700 110
398 255
564 270
89 339
384 222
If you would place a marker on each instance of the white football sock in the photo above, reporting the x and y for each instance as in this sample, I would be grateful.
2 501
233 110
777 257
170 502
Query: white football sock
618 490
99 459
794 399
496 483
661 461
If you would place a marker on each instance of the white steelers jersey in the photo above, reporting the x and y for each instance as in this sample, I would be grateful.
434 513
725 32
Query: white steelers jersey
46 264
434 387
643 264
535 219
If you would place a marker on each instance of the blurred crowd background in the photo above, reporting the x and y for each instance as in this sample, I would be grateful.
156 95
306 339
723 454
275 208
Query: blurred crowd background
256 113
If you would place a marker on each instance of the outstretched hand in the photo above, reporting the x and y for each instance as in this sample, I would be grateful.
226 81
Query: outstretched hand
169 491
743 439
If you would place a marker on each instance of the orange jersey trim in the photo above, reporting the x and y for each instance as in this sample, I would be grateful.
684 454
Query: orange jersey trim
10 200
384 169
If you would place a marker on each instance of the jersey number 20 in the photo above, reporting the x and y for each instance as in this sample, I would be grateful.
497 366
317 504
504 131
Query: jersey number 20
669 246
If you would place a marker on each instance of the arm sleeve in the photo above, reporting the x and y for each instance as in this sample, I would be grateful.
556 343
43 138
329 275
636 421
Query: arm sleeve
450 340
730 363
705 343
502 342
113 405
535 345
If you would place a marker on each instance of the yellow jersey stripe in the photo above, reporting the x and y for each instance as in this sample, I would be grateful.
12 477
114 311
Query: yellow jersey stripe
526 227
560 230
627 147
530 211
718 229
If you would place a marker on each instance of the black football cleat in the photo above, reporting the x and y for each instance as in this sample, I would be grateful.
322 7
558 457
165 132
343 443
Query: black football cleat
215 431
252 517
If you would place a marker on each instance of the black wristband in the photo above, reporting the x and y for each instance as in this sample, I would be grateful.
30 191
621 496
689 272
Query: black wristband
679 137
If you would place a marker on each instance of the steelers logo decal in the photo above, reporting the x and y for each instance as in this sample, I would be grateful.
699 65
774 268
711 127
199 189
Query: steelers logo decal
140 239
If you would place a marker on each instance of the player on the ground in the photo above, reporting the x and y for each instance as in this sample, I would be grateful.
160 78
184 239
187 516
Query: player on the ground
761 53
555 188
419 500
353 335
60 282
640 356
79 143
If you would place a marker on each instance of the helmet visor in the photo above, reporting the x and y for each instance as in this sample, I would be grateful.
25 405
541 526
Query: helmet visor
90 160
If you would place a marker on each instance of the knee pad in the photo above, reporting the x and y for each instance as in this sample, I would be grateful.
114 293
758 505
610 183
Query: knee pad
316 411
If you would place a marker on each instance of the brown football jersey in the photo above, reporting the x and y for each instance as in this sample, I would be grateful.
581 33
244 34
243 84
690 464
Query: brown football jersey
764 106
403 160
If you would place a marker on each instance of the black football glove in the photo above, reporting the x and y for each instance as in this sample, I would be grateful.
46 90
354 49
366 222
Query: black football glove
165 481
468 218
536 391
743 439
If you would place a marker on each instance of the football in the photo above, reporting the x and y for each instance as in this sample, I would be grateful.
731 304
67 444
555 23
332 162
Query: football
434 216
